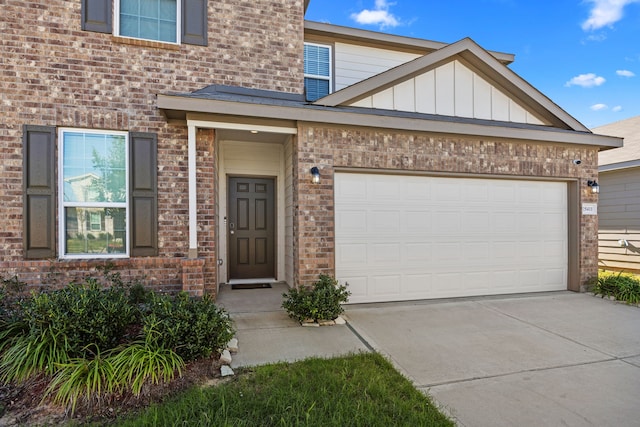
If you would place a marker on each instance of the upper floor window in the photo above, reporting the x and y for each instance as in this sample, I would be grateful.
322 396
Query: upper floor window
317 71
166 21
148 19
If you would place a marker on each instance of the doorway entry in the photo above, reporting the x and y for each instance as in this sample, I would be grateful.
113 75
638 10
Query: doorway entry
251 228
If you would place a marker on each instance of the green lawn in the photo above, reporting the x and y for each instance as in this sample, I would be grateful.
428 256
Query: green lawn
357 390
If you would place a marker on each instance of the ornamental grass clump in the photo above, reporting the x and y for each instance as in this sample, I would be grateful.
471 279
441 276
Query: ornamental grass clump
321 301
622 286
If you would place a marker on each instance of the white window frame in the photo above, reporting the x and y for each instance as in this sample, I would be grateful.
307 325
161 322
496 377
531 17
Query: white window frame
62 204
318 77
92 223
116 24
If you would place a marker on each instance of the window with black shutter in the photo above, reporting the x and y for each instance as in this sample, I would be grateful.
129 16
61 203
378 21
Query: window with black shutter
155 20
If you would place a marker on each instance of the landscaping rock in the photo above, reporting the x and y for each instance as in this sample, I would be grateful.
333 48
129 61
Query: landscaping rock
310 325
225 357
232 346
226 371
340 321
326 322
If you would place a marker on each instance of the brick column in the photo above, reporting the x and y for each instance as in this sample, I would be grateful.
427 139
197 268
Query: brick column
193 276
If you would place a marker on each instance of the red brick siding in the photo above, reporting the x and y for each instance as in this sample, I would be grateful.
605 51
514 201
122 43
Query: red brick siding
54 74
159 274
329 148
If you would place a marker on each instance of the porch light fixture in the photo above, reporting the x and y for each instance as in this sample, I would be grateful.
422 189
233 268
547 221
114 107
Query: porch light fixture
315 175
595 188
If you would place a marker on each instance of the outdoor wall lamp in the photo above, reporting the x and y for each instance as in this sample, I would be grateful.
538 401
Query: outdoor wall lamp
595 188
315 175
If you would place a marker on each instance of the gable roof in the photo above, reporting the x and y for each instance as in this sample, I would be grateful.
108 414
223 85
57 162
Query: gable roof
626 156
474 57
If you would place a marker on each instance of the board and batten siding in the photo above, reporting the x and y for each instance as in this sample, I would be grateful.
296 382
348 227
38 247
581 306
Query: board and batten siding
354 63
451 90
619 218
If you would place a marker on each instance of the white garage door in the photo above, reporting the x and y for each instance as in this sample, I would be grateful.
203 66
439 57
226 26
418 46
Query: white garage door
407 237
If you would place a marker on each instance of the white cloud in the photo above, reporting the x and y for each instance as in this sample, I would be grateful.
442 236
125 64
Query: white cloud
378 16
617 108
586 80
625 73
598 107
605 13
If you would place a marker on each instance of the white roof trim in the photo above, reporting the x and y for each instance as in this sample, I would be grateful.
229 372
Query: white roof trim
618 166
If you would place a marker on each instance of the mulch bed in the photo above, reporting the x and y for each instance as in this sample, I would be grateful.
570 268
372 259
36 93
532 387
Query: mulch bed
22 405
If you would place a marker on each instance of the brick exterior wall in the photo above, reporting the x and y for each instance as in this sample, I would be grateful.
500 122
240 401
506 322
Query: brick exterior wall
54 74
330 148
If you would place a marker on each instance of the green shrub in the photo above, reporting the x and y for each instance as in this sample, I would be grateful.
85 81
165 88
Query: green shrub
11 292
321 301
192 327
89 316
623 286
91 341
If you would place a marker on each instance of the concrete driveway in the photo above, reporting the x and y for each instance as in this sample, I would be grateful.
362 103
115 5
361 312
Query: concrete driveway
557 359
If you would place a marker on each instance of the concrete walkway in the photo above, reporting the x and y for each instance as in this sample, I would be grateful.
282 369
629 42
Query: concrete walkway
267 335
556 359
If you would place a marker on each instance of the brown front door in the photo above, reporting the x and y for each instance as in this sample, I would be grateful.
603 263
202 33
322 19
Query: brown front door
251 228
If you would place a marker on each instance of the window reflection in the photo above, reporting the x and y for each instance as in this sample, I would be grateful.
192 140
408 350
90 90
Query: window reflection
95 230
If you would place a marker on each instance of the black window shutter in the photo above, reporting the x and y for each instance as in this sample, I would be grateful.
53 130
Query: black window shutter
143 193
97 15
39 192
194 22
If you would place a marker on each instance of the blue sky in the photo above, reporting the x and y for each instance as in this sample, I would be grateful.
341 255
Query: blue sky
583 54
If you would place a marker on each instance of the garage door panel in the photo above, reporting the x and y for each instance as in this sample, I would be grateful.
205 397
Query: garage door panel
446 222
475 222
417 221
476 192
415 190
385 285
387 222
417 284
351 221
477 252
352 255
447 191
386 253
448 237
384 189
417 253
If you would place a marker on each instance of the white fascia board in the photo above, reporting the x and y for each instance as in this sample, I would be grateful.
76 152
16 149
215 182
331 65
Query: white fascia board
618 166
206 124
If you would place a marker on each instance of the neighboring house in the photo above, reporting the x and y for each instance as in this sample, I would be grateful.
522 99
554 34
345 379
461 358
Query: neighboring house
619 204
441 172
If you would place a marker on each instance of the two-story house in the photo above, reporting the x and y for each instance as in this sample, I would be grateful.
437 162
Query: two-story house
234 141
